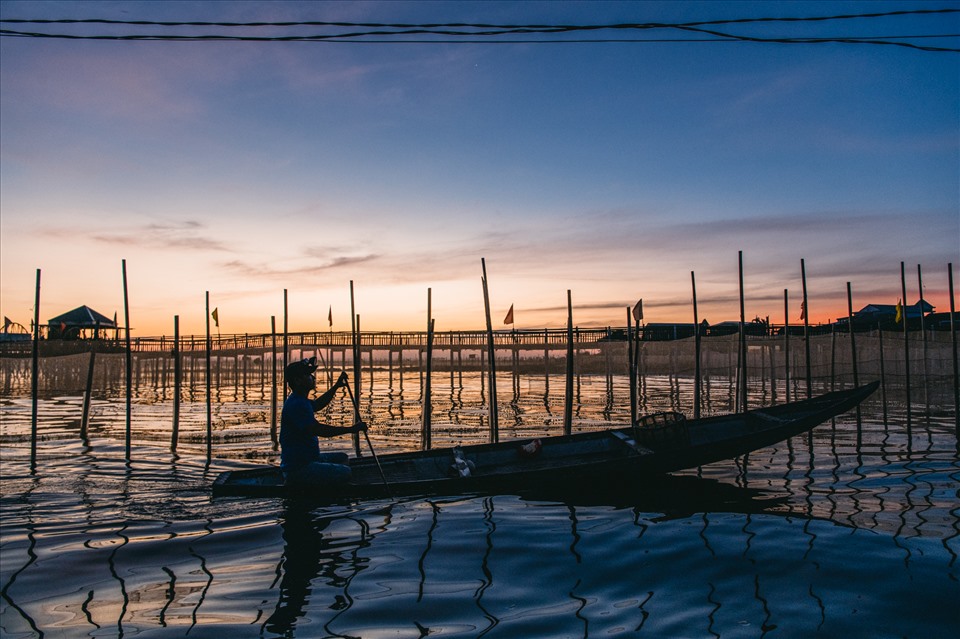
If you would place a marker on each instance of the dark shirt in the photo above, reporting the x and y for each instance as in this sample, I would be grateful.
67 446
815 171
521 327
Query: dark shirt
298 444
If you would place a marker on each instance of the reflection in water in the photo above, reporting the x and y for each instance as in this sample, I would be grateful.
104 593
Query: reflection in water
308 555
814 533
324 552
487 580
4 592
206 586
112 562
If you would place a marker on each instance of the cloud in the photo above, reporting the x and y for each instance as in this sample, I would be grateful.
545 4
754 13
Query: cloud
308 266
190 235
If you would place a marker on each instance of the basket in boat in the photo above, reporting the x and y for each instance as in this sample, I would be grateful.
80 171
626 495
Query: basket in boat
661 428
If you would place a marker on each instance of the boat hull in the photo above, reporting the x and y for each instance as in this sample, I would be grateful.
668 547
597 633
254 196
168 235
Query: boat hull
615 456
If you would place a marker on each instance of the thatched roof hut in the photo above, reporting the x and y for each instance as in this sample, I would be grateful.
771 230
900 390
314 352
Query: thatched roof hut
81 322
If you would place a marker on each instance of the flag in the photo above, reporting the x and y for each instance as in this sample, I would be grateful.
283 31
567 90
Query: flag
899 313
216 318
638 310
509 318
330 316
803 310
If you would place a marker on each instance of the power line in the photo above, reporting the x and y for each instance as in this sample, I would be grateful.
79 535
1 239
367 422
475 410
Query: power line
482 33
316 23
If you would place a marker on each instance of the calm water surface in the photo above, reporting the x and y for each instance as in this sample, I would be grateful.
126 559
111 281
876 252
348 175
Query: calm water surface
846 532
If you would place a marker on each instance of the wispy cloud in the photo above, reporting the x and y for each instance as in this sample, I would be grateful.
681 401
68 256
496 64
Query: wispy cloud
190 234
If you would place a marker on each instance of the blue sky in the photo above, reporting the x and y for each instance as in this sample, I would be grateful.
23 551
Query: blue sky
609 169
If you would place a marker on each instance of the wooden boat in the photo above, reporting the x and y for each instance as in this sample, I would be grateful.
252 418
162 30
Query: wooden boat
657 444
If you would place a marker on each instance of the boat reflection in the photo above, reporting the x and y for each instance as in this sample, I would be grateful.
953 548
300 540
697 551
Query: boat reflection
319 550
325 553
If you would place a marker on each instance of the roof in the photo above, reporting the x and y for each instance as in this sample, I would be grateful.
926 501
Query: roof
891 309
83 316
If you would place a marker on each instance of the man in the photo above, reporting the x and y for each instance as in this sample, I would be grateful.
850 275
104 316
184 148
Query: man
301 461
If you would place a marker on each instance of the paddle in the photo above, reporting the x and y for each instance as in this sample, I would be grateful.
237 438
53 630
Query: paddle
356 409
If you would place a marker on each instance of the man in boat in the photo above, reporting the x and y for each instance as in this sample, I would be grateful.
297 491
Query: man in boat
301 461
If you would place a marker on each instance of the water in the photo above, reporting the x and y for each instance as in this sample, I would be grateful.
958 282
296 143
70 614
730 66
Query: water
845 532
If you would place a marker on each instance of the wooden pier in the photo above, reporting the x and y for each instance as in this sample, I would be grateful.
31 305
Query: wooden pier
549 339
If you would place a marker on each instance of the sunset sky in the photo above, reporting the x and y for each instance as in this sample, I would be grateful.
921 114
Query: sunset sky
612 169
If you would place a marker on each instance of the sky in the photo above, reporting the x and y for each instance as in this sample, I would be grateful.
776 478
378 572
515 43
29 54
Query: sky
255 171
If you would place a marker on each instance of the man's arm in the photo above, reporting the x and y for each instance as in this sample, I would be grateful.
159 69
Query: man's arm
326 430
324 400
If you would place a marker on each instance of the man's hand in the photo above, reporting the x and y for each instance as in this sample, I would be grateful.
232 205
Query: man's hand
359 427
342 380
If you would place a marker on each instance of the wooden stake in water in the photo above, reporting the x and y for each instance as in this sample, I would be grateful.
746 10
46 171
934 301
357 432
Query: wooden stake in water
805 316
209 385
743 346
923 339
956 366
906 345
129 359
491 348
425 443
35 377
84 420
355 338
786 344
426 439
546 363
285 319
177 383
883 373
568 397
853 347
696 349
632 371
273 382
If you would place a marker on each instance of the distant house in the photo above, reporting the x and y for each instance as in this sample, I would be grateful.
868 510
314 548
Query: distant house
885 315
756 326
942 321
80 323
657 332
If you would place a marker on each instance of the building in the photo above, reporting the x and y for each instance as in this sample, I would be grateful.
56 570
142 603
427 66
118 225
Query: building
80 323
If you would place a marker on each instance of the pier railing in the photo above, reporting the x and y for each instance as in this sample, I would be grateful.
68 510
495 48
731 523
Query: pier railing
381 340
523 339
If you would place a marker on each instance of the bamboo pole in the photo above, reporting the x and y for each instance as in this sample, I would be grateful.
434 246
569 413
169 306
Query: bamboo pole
956 366
743 345
806 327
853 343
209 384
696 349
853 347
568 397
923 339
883 373
177 382
355 339
85 419
425 439
35 377
786 343
274 438
833 357
632 372
494 411
546 363
285 331
906 344
129 360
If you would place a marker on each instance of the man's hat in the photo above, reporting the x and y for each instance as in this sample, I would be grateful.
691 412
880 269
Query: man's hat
300 369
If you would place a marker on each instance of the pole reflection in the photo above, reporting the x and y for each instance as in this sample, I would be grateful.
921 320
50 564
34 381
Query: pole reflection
311 553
